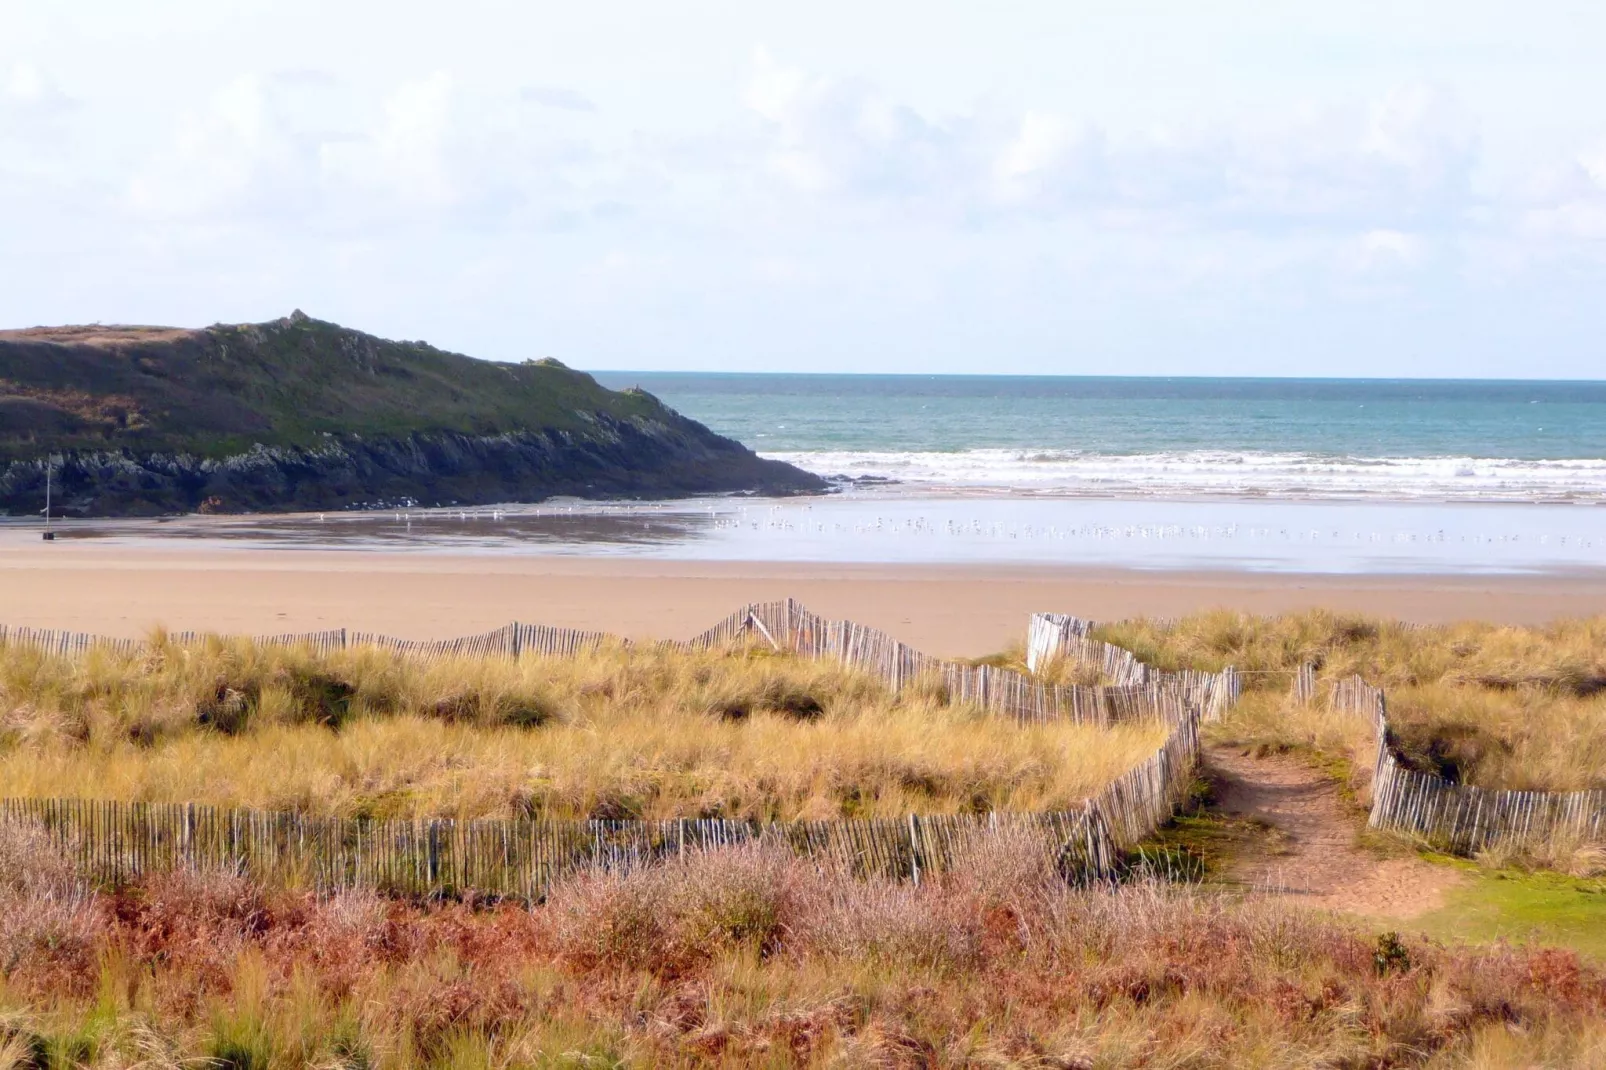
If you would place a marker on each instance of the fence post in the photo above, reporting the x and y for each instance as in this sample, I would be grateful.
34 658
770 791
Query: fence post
914 849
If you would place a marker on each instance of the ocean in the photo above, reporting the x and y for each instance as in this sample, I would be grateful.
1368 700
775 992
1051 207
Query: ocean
1264 475
1298 439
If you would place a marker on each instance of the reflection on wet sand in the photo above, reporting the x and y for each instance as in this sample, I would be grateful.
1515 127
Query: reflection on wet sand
580 529
872 527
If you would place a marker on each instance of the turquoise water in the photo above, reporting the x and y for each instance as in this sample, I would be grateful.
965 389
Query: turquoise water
1281 476
1289 438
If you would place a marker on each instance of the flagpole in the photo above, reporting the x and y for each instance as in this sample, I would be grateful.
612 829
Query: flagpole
50 536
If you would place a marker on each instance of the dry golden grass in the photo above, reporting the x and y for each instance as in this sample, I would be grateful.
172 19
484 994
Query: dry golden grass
654 734
1498 706
1568 656
1268 722
753 958
1061 672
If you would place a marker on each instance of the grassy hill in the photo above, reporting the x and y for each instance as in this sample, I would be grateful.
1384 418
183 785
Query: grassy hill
222 389
278 397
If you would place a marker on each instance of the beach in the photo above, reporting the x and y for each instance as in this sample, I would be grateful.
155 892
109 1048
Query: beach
1042 495
956 609
953 573
961 505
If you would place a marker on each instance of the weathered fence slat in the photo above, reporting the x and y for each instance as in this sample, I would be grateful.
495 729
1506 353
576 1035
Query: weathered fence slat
1056 636
1462 817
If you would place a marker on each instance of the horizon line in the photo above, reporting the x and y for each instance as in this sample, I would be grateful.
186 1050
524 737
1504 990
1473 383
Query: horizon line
1087 375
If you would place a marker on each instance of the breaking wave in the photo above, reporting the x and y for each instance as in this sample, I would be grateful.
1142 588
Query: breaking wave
1226 474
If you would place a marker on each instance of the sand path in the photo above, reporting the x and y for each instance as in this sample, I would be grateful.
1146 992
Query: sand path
1312 855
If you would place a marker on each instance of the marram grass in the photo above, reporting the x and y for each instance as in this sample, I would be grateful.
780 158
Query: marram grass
620 733
1496 706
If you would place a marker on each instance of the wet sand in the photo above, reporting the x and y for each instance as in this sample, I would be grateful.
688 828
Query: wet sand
954 609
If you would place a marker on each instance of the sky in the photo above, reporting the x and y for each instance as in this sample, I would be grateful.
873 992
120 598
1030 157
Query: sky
1400 188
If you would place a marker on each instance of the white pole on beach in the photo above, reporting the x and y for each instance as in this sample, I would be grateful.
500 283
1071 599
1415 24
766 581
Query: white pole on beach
50 461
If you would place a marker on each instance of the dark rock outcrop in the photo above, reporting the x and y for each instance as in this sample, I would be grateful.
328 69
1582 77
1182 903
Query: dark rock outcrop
303 415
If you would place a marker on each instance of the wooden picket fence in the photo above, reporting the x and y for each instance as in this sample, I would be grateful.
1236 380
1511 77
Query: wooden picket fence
1047 634
790 626
1465 818
120 841
65 644
1461 817
1056 636
1303 692
318 642
117 841
1142 799
783 625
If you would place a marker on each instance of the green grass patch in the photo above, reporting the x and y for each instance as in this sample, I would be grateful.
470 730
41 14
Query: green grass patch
1528 908
1199 844
1190 848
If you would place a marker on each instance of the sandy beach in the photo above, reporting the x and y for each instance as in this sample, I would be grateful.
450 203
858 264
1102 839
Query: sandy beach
946 609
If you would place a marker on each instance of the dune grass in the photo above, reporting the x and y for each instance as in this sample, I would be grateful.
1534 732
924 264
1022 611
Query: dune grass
622 733
1568 656
736 958
750 958
1057 671
1496 706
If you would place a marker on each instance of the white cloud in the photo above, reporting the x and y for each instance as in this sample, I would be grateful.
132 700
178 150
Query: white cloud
1593 164
261 147
403 159
784 271
1387 250
42 167
34 111
1031 217
1046 149
267 146
411 143
557 97
306 77
236 155
1405 159
829 137
837 150
1564 207
31 89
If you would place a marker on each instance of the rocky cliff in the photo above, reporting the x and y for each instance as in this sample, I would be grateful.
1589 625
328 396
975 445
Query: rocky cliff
300 414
